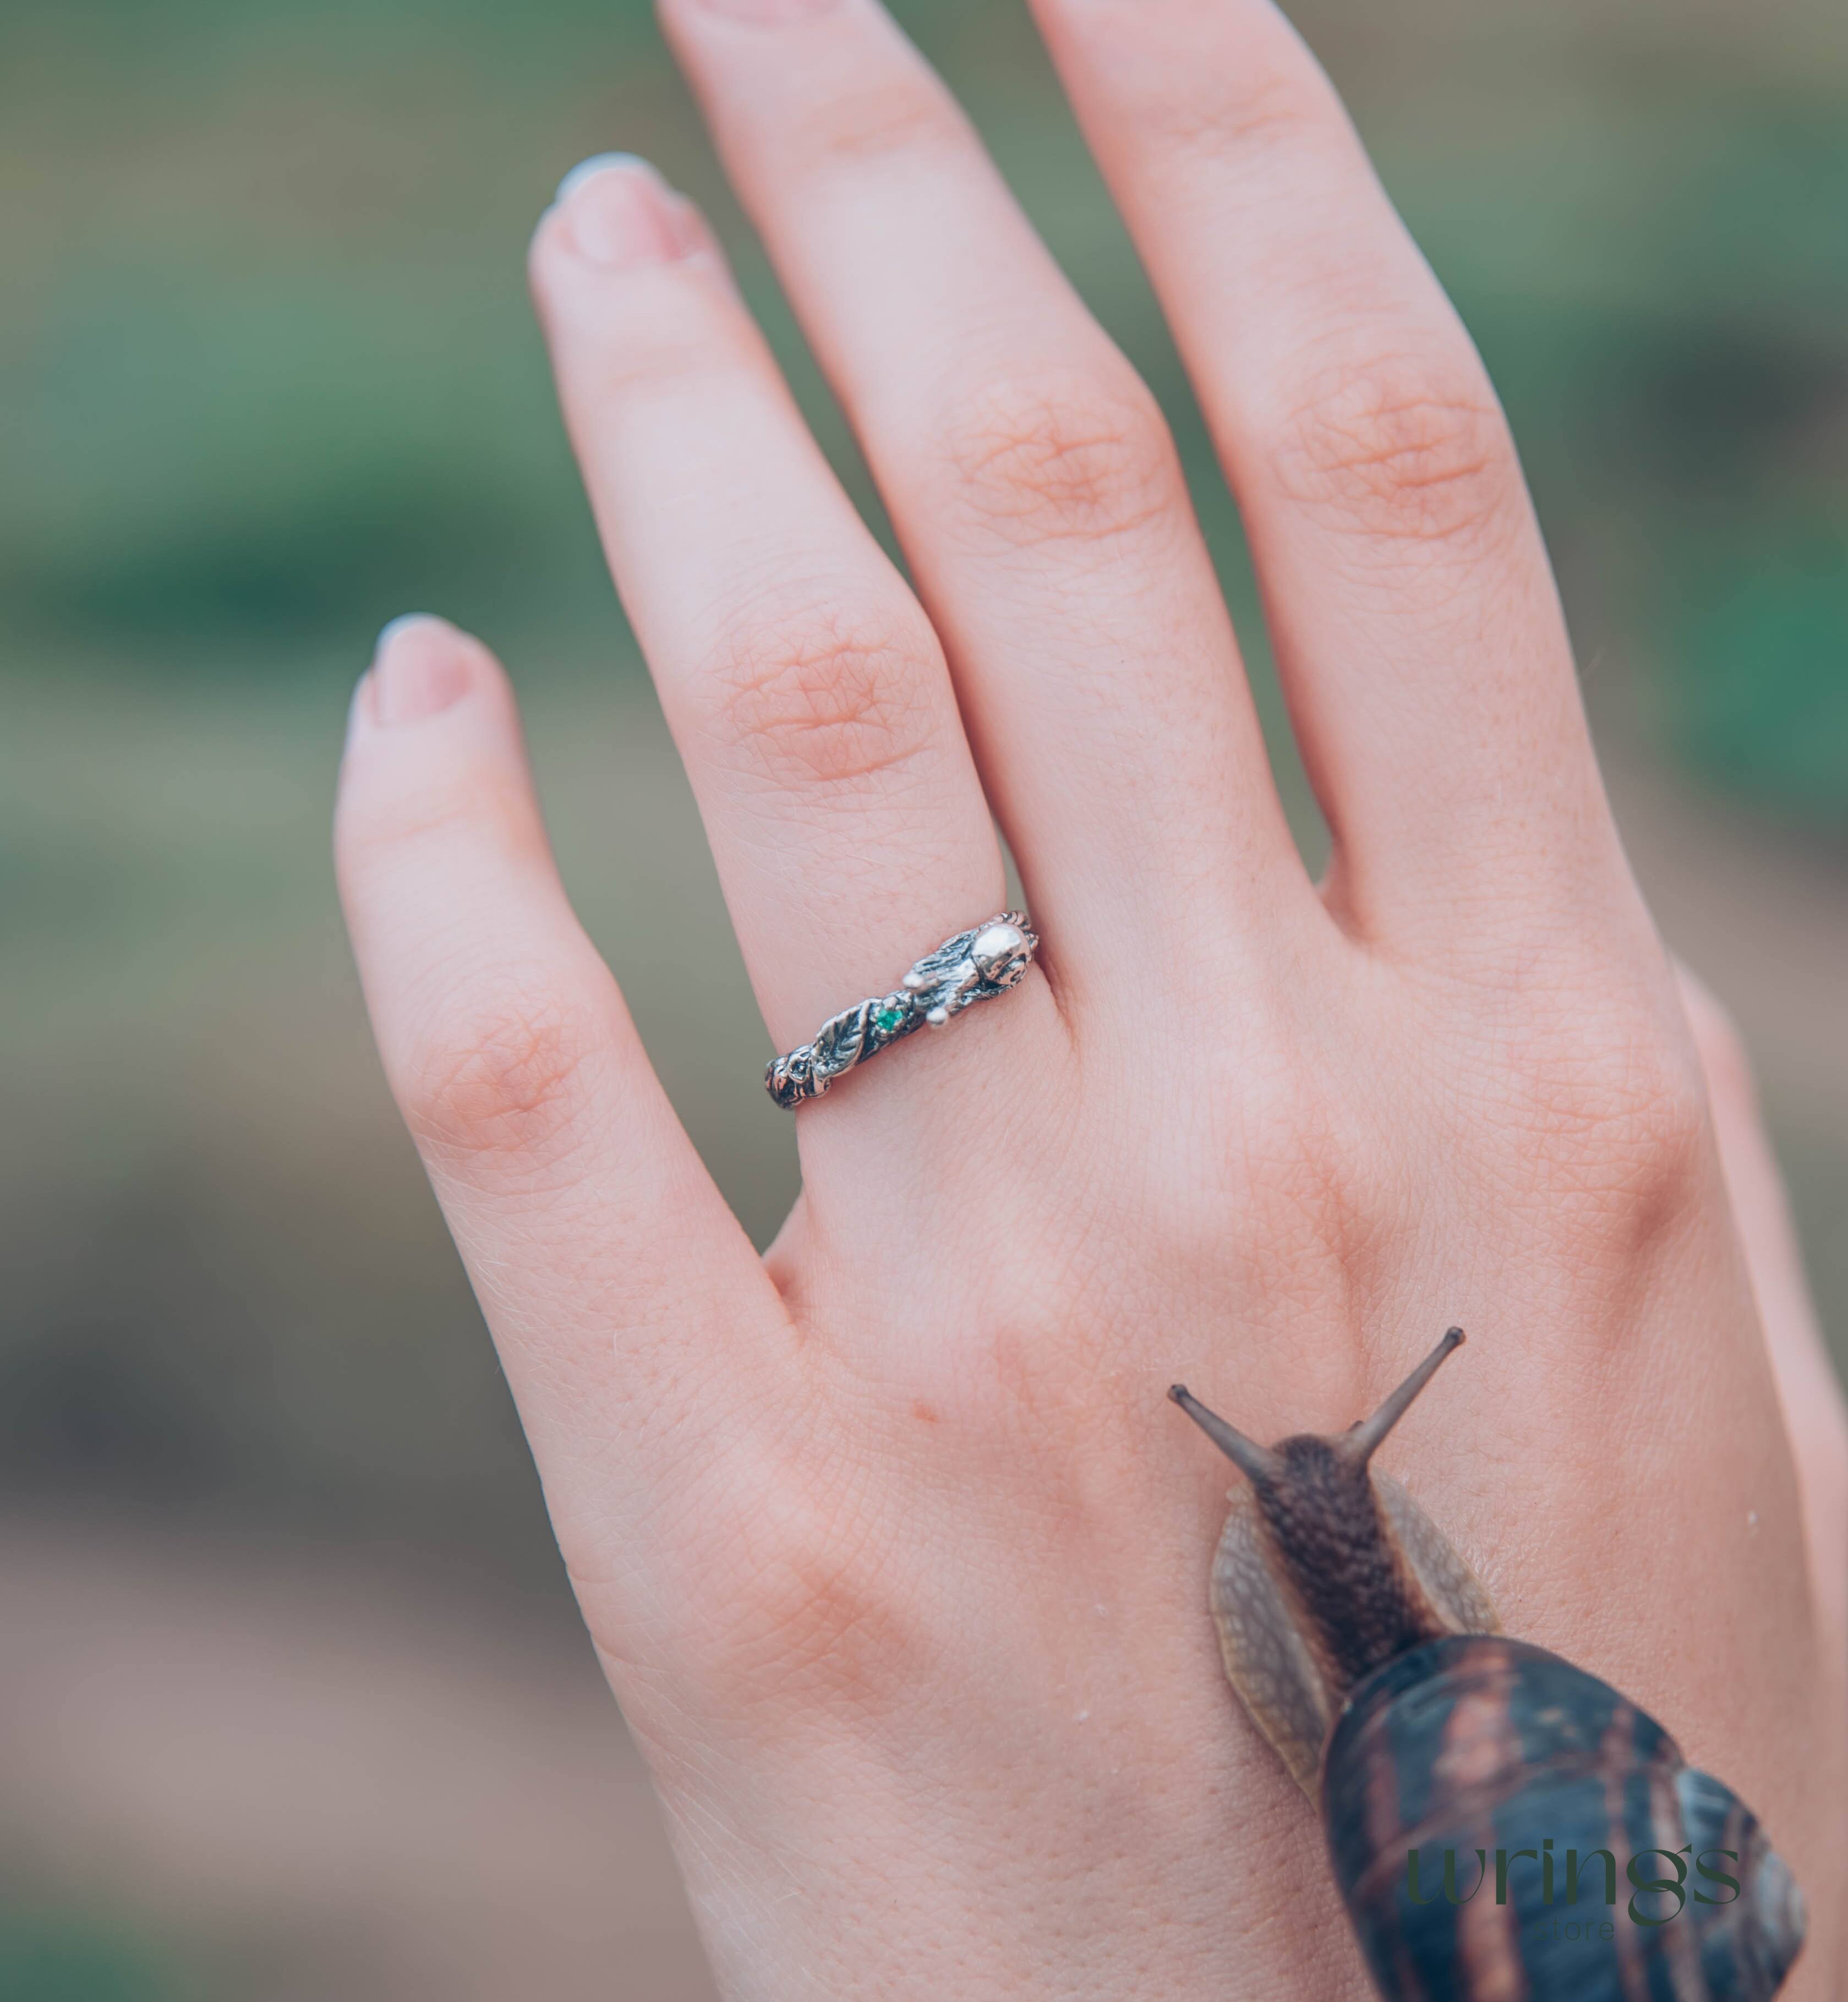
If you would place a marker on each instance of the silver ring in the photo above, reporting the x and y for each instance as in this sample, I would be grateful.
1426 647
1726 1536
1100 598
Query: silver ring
975 965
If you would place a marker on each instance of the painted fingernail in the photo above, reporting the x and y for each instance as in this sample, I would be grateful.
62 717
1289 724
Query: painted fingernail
769 12
616 209
417 670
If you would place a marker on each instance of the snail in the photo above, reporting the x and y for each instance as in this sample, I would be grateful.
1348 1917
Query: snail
1502 1826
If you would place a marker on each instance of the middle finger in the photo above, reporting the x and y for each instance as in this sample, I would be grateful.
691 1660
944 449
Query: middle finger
1026 467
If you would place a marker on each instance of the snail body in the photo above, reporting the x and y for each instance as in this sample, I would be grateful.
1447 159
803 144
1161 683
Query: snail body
1502 1826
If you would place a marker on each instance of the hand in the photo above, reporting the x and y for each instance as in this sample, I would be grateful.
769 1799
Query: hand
895 1554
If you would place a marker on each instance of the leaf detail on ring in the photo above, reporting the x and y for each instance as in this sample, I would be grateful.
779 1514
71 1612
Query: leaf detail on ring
842 1040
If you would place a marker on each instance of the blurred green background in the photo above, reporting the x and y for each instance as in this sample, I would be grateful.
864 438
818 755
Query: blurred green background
291 1701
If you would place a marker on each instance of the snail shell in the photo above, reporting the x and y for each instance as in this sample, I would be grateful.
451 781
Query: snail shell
1477 1743
1461 1774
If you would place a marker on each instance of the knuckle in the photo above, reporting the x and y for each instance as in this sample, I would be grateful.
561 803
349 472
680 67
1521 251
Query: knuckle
1398 450
1233 115
659 347
827 696
1616 1110
502 1080
1191 76
1063 458
801 1592
903 116
371 830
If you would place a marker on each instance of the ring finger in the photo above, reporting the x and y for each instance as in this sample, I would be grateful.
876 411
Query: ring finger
803 683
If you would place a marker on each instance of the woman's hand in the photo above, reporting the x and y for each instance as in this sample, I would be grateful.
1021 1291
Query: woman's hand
895 1553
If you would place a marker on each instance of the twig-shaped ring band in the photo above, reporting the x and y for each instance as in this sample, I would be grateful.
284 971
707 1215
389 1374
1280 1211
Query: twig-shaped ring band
973 966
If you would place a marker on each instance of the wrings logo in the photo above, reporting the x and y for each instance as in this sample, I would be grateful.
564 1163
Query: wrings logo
1659 1881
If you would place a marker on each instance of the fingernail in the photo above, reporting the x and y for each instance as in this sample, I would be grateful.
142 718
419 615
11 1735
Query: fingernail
616 208
596 164
403 623
417 670
769 12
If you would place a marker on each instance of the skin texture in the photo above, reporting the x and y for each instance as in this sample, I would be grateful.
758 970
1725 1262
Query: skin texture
894 1551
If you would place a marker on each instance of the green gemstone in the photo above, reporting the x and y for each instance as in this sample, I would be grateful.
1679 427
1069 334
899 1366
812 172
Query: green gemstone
888 1019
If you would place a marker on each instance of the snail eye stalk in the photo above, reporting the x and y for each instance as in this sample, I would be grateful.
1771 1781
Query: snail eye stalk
1363 1439
1255 1462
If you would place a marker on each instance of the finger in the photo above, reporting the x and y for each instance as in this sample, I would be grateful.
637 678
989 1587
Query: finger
605 1261
803 684
1809 1390
1026 469
1408 592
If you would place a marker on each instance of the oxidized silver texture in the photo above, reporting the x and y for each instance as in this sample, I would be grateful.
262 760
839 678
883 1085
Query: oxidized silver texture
975 965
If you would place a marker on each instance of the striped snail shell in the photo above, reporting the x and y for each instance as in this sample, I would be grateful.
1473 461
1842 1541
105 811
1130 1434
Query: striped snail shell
1502 1826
